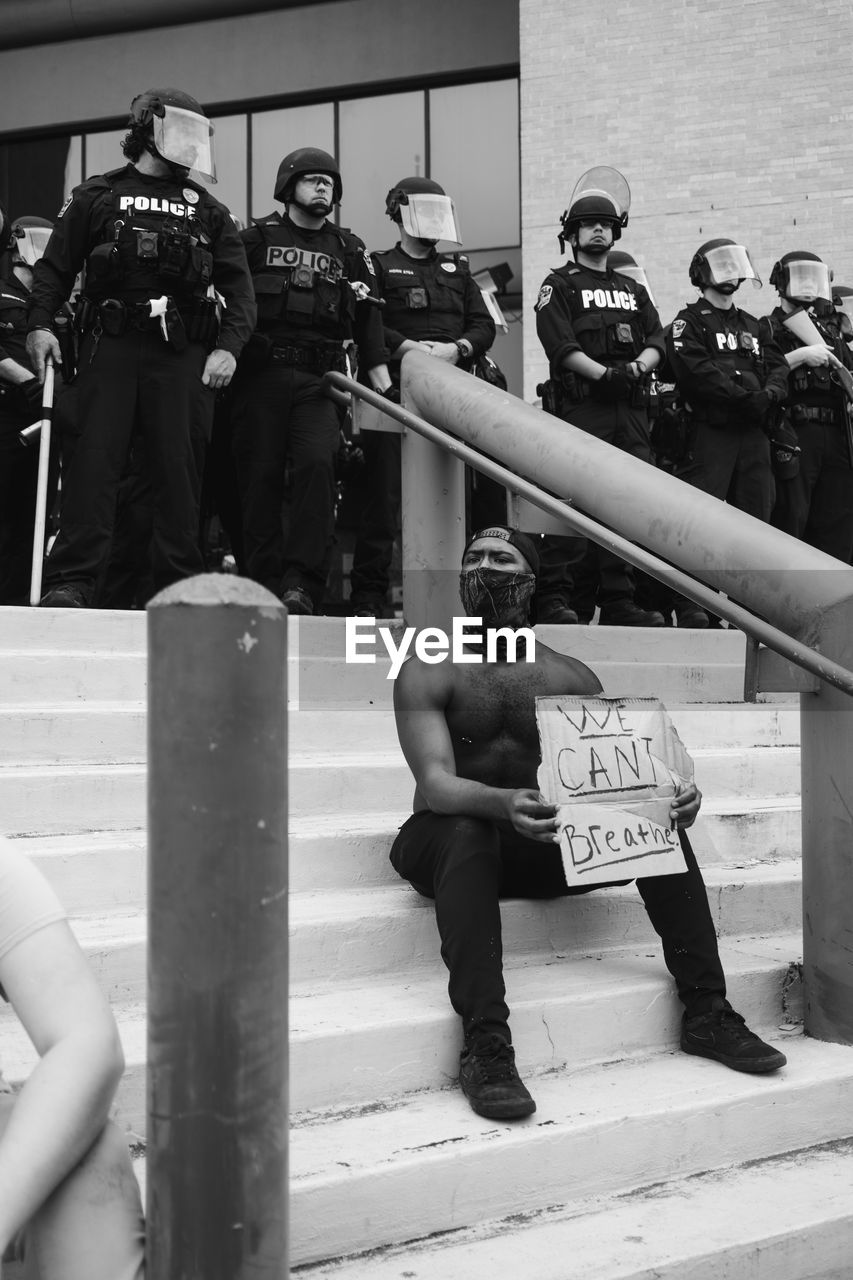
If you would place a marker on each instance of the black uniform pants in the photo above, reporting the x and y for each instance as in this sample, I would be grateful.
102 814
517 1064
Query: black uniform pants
281 412
134 381
380 518
732 462
468 864
817 504
575 569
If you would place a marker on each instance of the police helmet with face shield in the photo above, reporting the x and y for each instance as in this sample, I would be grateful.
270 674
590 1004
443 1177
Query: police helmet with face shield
602 195
722 264
29 237
423 209
296 164
182 133
622 262
802 278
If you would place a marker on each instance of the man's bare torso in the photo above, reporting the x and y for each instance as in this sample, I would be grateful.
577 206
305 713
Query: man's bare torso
491 715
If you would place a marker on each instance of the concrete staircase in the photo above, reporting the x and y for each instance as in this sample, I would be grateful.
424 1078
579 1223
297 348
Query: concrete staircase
639 1161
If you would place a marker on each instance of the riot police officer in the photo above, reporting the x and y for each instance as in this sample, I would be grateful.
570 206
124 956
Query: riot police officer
433 304
731 377
21 244
156 247
814 501
315 286
602 335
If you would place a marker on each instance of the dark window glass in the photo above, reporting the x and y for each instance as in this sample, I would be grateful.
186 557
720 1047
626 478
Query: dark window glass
382 141
32 176
274 134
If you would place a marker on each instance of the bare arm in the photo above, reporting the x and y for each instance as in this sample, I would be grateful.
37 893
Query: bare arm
65 1102
422 694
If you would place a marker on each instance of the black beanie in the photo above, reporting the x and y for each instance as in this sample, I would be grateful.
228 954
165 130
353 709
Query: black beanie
521 541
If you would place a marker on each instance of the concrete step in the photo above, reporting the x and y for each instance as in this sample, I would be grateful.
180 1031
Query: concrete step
363 935
427 1164
88 732
369 932
357 1044
789 1217
66 797
102 871
100 655
354 1047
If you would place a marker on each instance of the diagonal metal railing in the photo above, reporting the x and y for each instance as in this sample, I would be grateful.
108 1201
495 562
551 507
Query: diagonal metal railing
783 594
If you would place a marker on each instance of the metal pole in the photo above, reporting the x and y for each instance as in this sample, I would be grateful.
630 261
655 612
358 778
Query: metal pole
785 581
826 744
433 505
41 487
217 903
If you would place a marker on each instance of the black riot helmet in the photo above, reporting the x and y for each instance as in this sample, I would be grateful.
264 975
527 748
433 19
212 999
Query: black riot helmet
802 278
400 192
619 260
29 237
601 193
423 209
722 264
296 164
171 124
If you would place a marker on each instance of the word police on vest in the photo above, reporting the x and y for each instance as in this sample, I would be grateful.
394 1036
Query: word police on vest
433 645
154 204
616 299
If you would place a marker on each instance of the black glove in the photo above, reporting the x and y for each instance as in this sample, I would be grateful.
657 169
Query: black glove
31 394
757 405
617 384
391 394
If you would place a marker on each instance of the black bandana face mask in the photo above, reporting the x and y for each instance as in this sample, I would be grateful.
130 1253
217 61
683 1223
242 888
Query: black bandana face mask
494 595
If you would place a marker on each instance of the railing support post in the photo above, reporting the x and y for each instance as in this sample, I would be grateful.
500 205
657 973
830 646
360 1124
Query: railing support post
217 901
826 738
433 487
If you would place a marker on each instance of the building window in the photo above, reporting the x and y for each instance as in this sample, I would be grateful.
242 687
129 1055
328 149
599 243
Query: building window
274 135
381 141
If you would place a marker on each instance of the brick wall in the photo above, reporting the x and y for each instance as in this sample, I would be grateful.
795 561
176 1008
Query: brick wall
726 118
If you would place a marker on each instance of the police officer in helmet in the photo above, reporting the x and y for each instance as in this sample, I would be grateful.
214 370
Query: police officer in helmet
602 336
316 293
432 304
732 375
814 498
22 243
156 248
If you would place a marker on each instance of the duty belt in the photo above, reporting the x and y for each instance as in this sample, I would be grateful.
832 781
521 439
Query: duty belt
313 359
116 317
815 413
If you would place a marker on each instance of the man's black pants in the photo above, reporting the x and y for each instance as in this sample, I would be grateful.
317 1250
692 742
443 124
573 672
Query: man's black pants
468 864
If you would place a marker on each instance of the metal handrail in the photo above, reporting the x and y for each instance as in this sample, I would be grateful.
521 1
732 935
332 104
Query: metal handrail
802 655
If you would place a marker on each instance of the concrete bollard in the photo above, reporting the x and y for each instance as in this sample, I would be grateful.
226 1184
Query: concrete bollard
217 903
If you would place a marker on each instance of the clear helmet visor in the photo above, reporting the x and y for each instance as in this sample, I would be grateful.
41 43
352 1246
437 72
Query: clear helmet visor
30 243
844 304
604 181
638 274
729 264
808 281
186 138
430 217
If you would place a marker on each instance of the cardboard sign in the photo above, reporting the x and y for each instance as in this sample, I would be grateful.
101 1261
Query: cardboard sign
612 766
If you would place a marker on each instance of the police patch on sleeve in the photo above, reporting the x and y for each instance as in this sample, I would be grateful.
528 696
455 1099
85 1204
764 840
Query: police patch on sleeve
369 262
68 200
544 296
678 327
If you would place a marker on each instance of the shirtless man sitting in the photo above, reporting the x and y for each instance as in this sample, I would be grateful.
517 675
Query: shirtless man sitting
481 832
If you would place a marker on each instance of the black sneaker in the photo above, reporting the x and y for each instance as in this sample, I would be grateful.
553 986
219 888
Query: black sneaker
297 601
724 1036
63 598
629 614
490 1081
693 617
557 612
369 608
